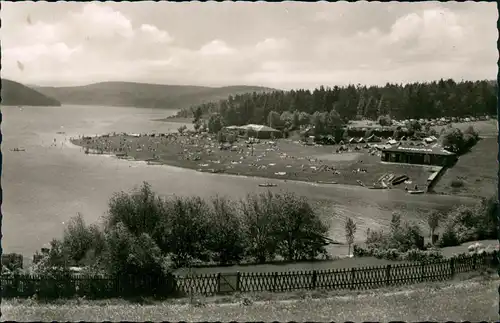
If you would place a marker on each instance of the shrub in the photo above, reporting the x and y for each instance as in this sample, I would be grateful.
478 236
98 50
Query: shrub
376 238
182 129
358 251
457 183
389 254
384 121
420 255
12 261
468 223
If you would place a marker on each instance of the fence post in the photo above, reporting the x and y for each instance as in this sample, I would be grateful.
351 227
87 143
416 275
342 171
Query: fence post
474 261
313 280
275 281
16 283
353 276
218 283
422 271
238 281
388 275
452 267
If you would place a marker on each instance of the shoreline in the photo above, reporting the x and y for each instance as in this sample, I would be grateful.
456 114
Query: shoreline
266 177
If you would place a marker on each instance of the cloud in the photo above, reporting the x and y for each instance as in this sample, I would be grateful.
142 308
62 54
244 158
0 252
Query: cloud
216 47
155 34
282 45
271 45
96 20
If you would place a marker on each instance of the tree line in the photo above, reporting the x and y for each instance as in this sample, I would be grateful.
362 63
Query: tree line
443 98
144 233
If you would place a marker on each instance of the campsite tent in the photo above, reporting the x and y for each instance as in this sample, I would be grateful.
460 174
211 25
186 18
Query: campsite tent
352 140
373 138
361 140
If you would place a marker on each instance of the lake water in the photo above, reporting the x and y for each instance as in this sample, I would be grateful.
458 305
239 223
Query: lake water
45 186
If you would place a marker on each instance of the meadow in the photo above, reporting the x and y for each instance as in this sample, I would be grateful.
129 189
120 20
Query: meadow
465 299
475 173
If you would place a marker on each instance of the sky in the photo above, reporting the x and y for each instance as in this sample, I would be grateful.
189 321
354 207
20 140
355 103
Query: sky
282 45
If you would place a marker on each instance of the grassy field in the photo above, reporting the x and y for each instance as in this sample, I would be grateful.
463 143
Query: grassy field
487 128
301 266
279 159
475 173
472 299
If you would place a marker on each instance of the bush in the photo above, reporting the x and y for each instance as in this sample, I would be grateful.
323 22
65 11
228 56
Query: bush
469 223
12 261
389 254
421 255
449 237
358 251
394 254
182 129
384 121
457 183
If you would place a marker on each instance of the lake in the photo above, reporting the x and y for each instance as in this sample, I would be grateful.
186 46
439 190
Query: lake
44 186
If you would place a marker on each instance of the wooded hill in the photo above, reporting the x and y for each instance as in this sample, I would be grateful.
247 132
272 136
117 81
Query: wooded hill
143 95
17 94
443 98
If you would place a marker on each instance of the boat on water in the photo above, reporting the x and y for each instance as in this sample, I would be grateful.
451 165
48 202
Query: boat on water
400 179
416 192
268 185
325 182
18 149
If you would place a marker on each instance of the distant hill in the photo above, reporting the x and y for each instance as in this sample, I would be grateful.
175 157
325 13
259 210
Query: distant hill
14 93
144 95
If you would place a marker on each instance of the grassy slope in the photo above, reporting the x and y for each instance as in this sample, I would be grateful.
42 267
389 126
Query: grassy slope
478 170
143 95
469 300
14 93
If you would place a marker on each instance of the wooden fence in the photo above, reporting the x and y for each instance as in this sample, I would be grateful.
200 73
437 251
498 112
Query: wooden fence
210 284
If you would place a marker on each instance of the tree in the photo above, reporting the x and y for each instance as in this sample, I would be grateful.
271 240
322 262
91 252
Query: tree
226 239
79 240
333 120
286 119
433 219
299 228
350 230
304 118
189 228
414 126
274 119
259 215
416 100
215 123
453 139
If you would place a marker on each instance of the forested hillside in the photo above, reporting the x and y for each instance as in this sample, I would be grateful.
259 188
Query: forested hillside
14 93
143 95
444 98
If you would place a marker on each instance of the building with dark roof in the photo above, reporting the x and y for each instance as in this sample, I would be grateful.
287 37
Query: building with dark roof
432 155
